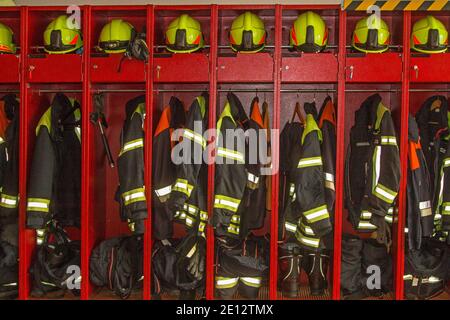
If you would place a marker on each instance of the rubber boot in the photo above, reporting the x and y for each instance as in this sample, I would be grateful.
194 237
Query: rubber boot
290 261
316 266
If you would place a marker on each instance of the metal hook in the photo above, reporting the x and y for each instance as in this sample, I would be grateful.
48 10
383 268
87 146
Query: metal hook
257 92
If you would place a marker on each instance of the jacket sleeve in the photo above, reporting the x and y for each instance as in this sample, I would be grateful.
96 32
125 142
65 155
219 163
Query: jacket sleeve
329 162
385 171
131 173
426 214
309 180
39 198
191 147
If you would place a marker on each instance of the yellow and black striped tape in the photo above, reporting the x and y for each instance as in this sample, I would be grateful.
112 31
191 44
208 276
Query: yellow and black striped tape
389 5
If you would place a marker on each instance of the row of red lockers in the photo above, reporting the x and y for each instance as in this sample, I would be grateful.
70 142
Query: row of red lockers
29 24
330 70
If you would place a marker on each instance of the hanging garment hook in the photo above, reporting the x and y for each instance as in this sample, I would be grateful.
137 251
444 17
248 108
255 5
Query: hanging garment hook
257 92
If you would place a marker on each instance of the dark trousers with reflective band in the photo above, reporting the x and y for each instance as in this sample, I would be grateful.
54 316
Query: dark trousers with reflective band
228 284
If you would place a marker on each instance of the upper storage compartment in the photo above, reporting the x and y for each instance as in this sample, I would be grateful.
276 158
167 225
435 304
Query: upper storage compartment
246 67
182 44
10 54
314 59
429 67
381 60
110 65
62 62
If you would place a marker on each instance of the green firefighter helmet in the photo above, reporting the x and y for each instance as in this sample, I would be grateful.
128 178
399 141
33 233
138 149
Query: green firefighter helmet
248 33
184 35
309 33
371 35
115 36
62 36
429 35
7 44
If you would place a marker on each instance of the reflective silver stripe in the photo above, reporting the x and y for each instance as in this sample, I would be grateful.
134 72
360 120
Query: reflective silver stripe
431 279
408 277
192 251
9 202
424 205
308 230
163 191
308 162
38 205
329 177
366 225
377 164
134 196
251 280
406 230
138 143
223 282
194 136
362 144
384 193
313 215
391 211
447 162
388 219
309 241
290 226
388 140
366 215
235 219
230 154
189 221
252 178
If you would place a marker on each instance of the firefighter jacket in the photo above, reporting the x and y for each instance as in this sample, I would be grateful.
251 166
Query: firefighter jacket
309 183
230 173
131 166
164 169
9 159
253 209
431 119
327 125
442 186
419 219
290 142
188 196
55 178
372 168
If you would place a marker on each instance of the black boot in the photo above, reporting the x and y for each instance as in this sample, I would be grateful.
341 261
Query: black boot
290 261
316 266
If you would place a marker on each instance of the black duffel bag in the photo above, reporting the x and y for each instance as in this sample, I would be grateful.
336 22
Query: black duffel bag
117 263
55 264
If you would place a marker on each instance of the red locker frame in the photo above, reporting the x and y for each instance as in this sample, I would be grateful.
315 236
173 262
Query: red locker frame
34 80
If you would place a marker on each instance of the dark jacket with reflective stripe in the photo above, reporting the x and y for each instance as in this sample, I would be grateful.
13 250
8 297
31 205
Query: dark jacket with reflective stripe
131 166
253 211
9 161
419 219
164 170
432 118
309 180
372 167
188 196
55 177
442 183
290 143
230 170
327 124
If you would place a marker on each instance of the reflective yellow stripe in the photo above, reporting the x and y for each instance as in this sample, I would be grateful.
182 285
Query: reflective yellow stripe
132 145
8 201
38 204
317 214
233 229
194 136
182 185
389 140
230 154
290 227
364 225
446 162
309 162
252 281
308 241
228 203
134 195
307 230
225 282
384 193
